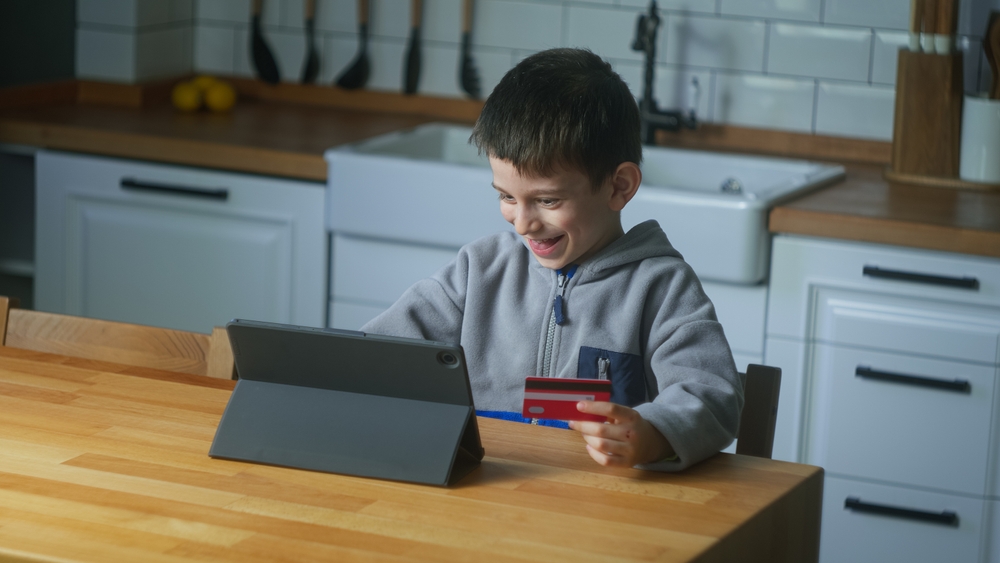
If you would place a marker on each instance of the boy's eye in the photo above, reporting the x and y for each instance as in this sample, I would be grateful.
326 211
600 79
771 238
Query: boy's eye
547 202
505 198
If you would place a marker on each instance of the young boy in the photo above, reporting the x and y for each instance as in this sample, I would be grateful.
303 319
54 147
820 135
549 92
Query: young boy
571 294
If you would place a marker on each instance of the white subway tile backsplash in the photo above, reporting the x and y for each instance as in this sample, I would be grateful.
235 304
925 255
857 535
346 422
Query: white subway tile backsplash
163 53
337 54
158 12
107 12
492 65
337 15
242 50
390 18
517 25
706 6
886 55
764 101
386 63
892 14
671 86
819 51
443 20
852 110
439 71
730 44
605 31
289 49
213 50
803 10
235 11
105 55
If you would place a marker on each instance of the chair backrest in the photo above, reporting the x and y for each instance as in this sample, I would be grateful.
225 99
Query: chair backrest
760 410
123 343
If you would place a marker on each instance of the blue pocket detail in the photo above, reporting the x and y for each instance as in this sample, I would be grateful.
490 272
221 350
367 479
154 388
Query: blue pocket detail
627 374
516 417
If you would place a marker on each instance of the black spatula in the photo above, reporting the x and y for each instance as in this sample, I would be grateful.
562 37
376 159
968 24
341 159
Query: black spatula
468 76
263 61
411 74
356 73
311 67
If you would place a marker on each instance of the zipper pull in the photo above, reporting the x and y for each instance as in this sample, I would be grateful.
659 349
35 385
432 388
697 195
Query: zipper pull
603 365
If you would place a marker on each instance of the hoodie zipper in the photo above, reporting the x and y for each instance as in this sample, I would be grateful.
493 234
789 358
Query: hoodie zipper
558 316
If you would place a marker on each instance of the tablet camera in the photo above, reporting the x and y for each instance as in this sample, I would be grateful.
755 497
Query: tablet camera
448 359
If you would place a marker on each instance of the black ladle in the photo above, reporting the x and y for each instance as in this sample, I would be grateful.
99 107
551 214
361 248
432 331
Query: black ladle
311 67
263 60
357 73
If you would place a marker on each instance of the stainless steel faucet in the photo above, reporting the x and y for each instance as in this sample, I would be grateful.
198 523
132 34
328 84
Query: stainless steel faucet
653 118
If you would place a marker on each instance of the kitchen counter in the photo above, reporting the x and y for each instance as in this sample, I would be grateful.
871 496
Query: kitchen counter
258 137
284 130
868 209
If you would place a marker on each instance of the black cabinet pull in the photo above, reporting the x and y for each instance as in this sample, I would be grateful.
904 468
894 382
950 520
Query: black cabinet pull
948 281
945 517
959 385
142 185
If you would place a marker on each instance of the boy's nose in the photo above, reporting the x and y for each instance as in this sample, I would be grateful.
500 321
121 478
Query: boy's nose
525 221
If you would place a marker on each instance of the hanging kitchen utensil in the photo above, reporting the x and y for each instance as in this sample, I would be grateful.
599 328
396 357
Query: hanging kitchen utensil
263 61
991 45
411 74
468 75
311 67
356 74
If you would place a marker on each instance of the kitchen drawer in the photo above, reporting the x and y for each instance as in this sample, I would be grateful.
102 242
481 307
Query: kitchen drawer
803 266
922 531
874 425
907 325
379 271
177 247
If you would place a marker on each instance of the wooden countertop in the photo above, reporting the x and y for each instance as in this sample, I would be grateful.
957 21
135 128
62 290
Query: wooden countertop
283 131
864 207
103 462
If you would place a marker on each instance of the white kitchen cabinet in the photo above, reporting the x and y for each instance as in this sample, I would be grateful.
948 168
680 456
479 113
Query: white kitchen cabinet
890 358
177 247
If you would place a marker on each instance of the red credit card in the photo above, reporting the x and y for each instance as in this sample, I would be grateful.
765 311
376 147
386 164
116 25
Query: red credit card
552 397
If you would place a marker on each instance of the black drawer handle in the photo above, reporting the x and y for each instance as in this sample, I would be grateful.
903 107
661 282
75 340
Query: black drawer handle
142 185
948 281
945 517
959 385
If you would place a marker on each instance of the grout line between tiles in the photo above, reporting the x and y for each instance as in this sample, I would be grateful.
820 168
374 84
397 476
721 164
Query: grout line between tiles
815 108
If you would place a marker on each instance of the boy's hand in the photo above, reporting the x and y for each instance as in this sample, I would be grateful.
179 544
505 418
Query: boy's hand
625 440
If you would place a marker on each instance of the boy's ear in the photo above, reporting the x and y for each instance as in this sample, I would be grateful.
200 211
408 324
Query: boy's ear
624 182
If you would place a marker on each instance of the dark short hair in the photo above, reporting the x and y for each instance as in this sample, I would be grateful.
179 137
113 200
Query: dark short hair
561 107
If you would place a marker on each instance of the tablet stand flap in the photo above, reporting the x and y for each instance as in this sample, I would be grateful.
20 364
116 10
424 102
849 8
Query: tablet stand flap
349 433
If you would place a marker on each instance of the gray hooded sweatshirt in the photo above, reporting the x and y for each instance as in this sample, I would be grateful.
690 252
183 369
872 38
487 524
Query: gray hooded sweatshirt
634 312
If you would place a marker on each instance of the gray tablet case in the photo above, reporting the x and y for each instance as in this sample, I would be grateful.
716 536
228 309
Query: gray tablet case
349 402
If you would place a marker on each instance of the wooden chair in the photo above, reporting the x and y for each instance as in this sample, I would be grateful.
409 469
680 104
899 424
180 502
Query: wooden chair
760 410
123 343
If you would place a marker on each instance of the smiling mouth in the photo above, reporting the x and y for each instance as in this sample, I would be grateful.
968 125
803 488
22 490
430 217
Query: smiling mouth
544 246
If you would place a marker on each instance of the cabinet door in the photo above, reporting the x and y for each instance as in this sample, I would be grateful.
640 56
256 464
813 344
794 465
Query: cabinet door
866 522
167 254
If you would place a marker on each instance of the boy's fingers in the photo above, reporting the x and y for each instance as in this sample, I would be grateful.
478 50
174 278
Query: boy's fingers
608 446
610 410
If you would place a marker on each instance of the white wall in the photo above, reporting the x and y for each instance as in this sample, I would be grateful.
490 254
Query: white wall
820 66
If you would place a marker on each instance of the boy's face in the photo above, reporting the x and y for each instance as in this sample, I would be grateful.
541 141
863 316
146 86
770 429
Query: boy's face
561 218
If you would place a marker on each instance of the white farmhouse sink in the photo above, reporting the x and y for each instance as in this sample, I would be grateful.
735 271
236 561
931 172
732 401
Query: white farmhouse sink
429 186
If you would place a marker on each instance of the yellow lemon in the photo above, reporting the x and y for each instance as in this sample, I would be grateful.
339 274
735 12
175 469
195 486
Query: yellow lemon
186 96
204 82
220 97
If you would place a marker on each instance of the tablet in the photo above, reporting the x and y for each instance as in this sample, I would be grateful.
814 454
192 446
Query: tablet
349 402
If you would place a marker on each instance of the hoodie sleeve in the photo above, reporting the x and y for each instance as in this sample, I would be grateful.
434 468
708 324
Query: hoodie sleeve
431 309
699 395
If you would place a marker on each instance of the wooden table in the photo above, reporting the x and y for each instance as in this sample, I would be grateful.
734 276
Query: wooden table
103 462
